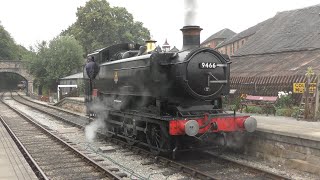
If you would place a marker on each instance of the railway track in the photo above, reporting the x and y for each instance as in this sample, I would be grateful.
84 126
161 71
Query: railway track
223 168
200 165
49 156
67 116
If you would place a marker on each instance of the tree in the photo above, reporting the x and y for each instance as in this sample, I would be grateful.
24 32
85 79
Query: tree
8 47
63 56
99 25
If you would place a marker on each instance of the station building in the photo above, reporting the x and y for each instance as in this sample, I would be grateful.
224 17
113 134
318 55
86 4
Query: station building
272 55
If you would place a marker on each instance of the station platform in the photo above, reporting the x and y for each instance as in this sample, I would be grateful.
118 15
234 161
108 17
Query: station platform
12 163
287 126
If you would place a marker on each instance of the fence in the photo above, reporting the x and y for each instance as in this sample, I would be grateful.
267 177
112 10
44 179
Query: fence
268 86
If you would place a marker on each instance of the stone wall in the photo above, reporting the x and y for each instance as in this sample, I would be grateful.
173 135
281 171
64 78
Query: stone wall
293 152
75 104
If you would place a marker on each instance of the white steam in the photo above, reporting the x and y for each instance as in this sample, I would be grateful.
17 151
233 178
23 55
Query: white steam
92 129
98 124
190 12
101 107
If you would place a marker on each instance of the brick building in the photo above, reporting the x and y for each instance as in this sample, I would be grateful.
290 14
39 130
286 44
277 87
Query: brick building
275 53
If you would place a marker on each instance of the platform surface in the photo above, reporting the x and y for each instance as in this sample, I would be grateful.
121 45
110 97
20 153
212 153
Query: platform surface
12 163
288 126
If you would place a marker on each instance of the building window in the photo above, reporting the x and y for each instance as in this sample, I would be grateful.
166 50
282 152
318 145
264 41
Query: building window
242 42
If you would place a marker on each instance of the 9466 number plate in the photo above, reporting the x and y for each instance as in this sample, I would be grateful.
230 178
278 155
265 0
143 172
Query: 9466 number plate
207 65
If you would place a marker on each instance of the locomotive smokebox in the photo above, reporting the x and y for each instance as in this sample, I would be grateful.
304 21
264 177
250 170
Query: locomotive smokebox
191 37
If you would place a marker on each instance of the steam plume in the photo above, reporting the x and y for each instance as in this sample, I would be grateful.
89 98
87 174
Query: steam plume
190 12
93 128
98 124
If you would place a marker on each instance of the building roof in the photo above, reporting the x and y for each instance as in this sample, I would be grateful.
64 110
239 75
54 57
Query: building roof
174 49
223 34
248 32
277 64
294 30
74 76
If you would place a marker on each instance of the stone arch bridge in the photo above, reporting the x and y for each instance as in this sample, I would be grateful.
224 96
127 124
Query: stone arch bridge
17 67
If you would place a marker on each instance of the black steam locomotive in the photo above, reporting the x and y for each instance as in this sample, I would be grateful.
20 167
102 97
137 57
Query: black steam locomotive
168 101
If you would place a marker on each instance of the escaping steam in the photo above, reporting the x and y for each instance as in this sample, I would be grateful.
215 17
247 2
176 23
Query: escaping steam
92 129
101 107
190 12
98 124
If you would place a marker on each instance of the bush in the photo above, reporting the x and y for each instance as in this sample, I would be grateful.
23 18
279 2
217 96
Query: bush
285 99
289 112
295 112
253 109
231 104
232 107
284 112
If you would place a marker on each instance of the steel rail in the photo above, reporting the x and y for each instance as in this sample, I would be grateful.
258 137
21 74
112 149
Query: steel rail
178 166
103 170
32 163
170 163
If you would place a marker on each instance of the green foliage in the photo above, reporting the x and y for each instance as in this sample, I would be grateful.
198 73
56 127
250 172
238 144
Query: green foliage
253 109
62 57
99 25
285 112
284 100
8 48
236 103
295 112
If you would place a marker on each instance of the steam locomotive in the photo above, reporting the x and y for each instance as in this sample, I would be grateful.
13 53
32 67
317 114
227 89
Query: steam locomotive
167 101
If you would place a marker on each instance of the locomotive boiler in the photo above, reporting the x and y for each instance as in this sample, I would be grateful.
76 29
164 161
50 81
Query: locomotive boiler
168 101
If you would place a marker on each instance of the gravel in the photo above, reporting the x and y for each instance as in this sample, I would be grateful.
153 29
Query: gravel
132 164
271 167
123 159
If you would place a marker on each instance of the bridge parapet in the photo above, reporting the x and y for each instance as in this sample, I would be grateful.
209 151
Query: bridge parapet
17 66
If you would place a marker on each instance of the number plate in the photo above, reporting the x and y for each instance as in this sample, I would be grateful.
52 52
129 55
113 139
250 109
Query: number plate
207 65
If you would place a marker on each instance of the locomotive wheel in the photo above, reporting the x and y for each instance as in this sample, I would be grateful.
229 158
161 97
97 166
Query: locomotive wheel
108 130
157 138
128 131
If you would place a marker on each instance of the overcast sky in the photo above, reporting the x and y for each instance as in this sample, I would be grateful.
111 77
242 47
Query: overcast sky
31 21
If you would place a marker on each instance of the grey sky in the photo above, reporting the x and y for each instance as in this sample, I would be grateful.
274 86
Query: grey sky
31 21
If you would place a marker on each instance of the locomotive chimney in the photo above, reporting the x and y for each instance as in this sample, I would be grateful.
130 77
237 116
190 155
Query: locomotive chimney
191 37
